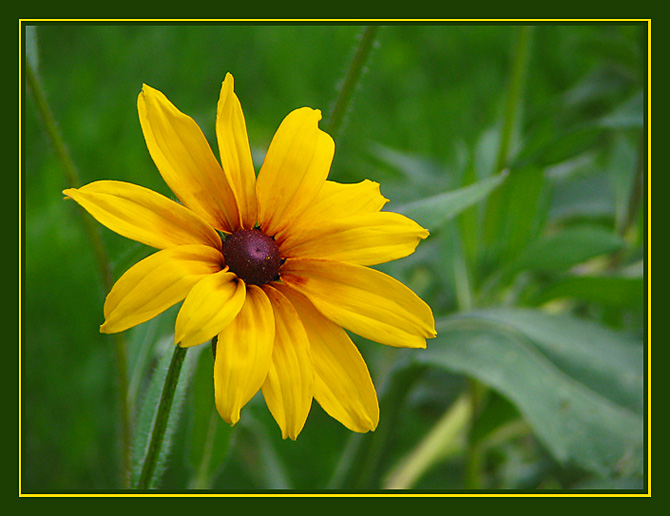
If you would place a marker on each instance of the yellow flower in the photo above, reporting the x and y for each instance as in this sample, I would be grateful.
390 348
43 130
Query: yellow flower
274 266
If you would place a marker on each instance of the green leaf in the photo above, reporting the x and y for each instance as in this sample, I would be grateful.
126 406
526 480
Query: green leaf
210 436
578 384
589 196
513 217
609 362
414 168
629 114
568 247
614 291
562 145
432 212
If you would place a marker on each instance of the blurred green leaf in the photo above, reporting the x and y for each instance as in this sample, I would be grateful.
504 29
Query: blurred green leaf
614 291
549 145
607 361
589 196
434 211
629 114
210 436
568 247
412 176
575 382
512 217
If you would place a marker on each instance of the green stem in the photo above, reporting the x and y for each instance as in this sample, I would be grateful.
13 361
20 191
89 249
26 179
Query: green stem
637 191
514 93
474 454
72 179
442 441
351 80
161 420
203 476
635 199
71 175
513 101
461 275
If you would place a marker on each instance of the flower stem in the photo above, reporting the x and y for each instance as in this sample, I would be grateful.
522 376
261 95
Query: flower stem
72 179
161 419
351 80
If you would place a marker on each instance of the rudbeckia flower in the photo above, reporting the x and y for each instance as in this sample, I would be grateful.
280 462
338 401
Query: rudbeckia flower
273 266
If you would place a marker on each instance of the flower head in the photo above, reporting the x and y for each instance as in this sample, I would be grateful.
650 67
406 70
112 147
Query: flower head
275 266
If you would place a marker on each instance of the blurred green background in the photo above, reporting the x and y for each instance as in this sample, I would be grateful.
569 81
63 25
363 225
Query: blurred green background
536 280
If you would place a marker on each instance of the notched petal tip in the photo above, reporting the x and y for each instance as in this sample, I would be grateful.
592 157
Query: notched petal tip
294 170
147 89
229 81
144 91
307 113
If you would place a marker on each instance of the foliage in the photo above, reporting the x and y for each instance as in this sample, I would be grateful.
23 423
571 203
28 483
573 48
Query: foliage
522 151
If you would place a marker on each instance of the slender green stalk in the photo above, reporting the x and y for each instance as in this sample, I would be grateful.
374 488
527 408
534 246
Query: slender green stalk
71 175
637 191
351 80
203 476
493 224
626 226
474 392
474 453
510 121
442 441
161 420
72 179
462 275
514 93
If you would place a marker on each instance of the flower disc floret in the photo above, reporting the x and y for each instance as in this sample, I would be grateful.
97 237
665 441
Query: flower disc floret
252 255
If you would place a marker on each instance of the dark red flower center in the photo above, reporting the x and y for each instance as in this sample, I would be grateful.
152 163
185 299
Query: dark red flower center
252 255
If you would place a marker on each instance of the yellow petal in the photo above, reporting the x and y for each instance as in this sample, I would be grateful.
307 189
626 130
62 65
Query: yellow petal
288 388
209 307
364 239
345 199
143 215
231 133
156 283
342 383
295 168
185 160
334 201
363 300
244 355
